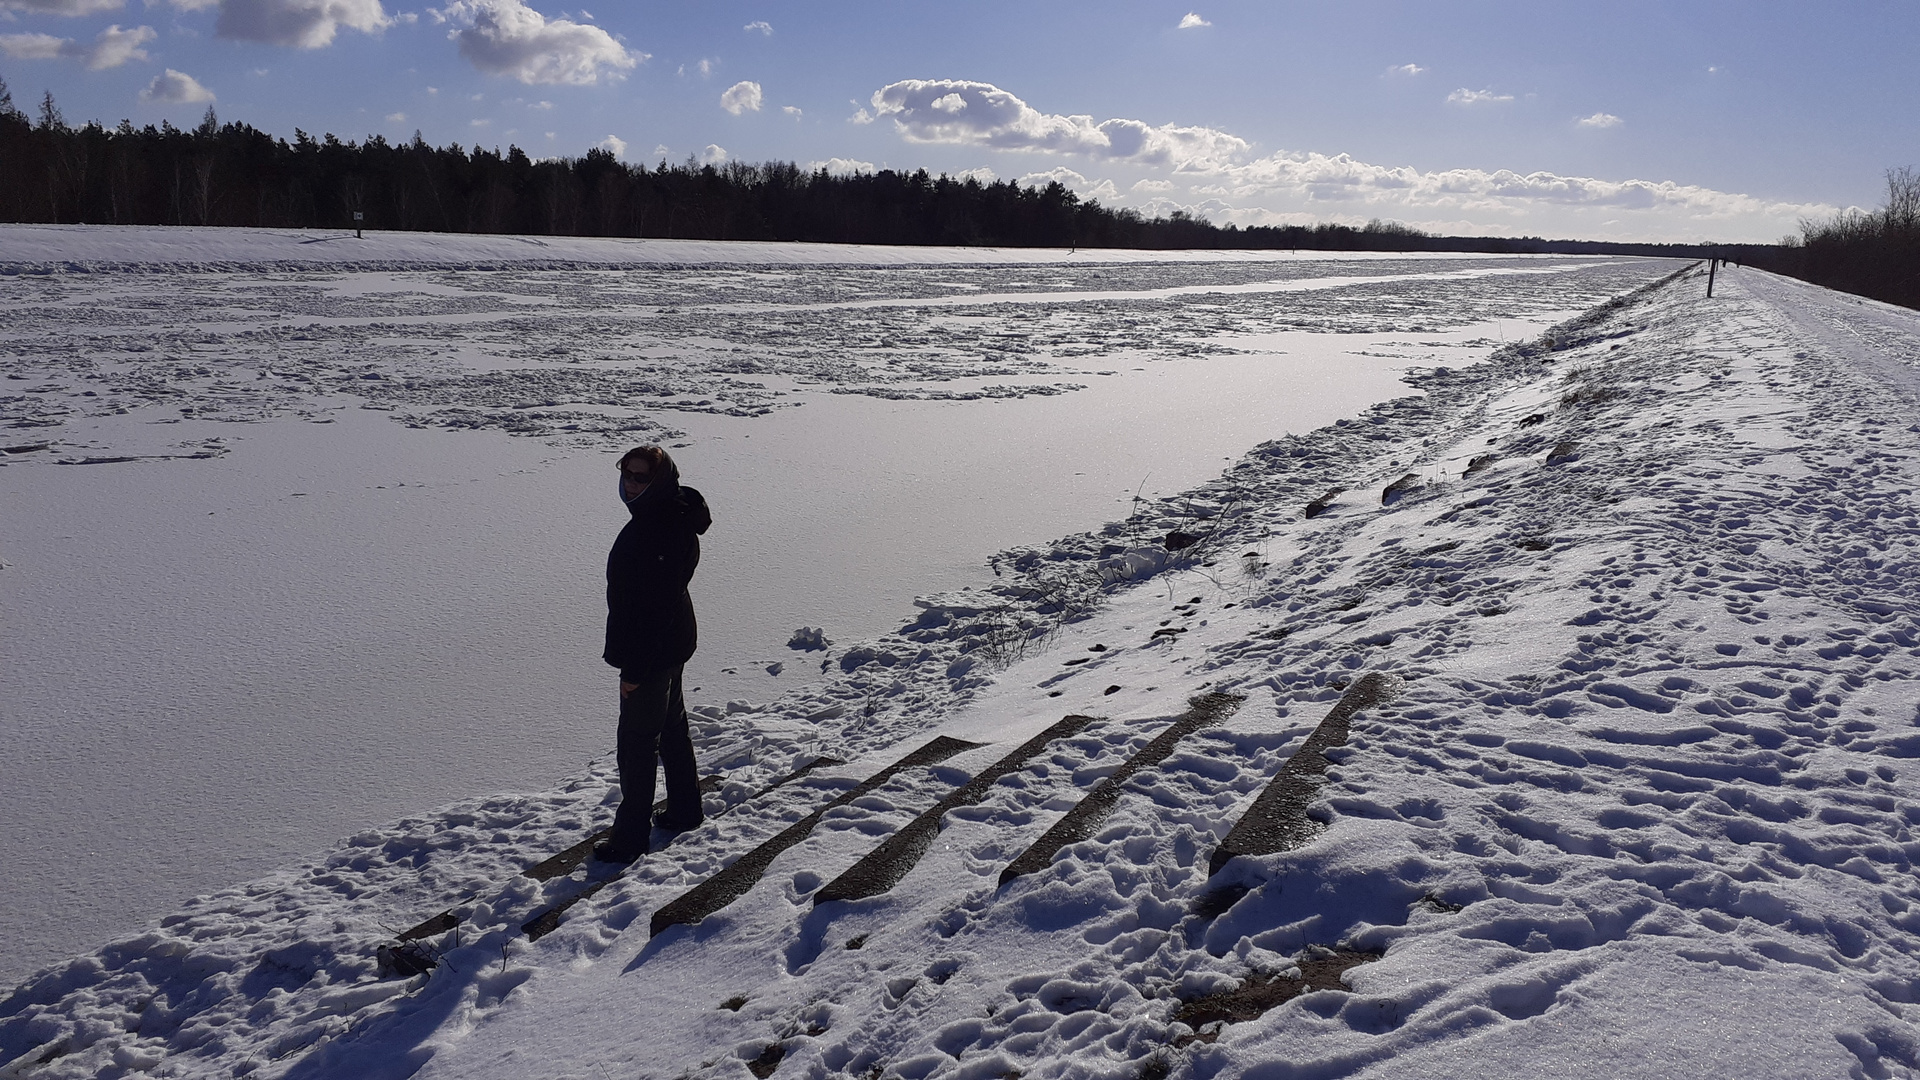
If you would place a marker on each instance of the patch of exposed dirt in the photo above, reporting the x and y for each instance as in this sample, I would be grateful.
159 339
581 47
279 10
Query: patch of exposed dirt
1260 992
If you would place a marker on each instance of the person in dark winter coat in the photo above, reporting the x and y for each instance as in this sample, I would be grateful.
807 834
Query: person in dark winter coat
650 636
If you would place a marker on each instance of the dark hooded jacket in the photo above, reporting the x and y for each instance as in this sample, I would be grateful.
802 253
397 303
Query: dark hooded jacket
650 623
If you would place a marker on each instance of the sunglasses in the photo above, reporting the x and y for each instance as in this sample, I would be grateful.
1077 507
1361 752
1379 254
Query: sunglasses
637 477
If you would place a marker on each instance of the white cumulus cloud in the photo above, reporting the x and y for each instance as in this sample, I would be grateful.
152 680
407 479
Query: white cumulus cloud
61 7
1164 207
506 37
925 111
741 97
1191 20
175 88
1152 187
759 26
982 175
714 154
36 46
301 24
1600 120
793 111
115 46
1464 96
1406 69
1060 174
840 166
110 49
615 145
1072 181
1338 178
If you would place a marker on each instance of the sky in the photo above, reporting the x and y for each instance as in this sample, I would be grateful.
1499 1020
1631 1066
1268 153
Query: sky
1627 120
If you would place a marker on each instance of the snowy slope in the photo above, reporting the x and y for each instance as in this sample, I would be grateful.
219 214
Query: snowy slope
1644 809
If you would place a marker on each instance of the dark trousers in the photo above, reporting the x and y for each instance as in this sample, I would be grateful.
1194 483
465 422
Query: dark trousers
653 726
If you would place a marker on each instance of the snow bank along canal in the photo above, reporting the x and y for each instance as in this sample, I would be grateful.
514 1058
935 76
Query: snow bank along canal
305 550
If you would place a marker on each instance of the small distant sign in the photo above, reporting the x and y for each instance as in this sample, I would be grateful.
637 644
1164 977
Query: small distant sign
358 216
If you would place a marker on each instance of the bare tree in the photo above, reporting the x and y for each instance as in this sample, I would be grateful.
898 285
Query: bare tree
8 110
1902 214
50 116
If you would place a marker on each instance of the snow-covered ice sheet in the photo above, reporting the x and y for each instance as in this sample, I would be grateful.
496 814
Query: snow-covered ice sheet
170 247
1645 808
347 573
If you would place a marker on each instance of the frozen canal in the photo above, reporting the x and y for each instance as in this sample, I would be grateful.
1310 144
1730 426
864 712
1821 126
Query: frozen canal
350 566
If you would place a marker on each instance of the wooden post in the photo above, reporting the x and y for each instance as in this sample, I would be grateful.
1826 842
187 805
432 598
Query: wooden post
360 216
1711 263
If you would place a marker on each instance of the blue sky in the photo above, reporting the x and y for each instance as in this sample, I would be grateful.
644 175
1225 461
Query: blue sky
1623 120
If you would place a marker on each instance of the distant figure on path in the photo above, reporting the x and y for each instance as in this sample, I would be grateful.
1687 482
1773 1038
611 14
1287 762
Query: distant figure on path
650 637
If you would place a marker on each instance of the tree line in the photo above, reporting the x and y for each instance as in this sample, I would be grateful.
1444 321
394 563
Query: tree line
1874 253
233 174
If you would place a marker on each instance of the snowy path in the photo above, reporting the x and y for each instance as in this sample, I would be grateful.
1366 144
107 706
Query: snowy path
1644 809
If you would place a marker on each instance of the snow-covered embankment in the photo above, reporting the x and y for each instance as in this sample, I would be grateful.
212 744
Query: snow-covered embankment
1644 808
